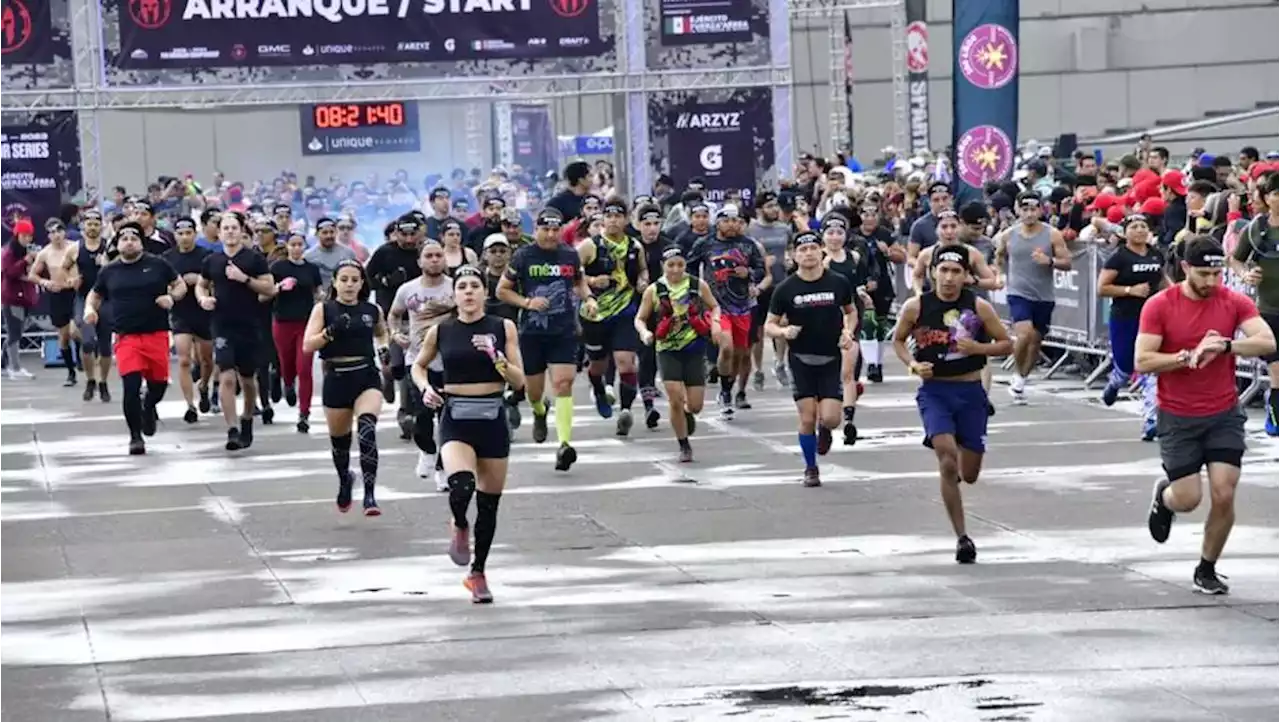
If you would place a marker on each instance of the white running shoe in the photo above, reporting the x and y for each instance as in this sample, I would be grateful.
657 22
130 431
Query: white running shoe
442 484
1017 387
20 375
426 462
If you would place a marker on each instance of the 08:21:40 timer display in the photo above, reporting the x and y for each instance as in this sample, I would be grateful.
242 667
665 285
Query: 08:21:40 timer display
359 115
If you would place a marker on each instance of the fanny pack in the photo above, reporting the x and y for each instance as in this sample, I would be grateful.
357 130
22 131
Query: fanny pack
474 408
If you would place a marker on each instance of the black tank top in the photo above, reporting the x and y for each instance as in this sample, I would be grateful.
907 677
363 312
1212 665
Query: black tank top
354 336
848 269
87 265
940 325
463 362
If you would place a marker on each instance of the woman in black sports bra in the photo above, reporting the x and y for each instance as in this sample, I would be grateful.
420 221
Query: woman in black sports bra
848 265
481 356
456 255
350 333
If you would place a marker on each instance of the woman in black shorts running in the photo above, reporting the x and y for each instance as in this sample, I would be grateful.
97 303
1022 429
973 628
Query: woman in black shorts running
481 357
349 332
850 266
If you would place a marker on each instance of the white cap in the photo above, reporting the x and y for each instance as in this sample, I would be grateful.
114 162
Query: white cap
496 239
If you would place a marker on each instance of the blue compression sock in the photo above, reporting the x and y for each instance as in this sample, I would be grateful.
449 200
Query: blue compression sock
809 449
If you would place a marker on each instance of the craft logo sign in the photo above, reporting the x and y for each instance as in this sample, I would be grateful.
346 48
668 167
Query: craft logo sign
984 154
917 48
988 56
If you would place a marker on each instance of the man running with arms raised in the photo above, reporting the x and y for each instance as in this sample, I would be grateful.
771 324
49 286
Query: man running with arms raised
1185 335
951 328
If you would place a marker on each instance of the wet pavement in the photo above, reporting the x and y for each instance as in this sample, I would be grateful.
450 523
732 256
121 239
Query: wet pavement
190 584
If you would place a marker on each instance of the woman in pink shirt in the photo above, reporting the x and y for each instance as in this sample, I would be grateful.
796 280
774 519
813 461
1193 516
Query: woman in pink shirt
17 295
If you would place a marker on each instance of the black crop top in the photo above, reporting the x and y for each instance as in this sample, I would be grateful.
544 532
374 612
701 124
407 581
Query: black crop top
353 330
942 323
463 362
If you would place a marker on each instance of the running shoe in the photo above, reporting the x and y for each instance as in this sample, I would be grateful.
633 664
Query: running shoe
150 417
1271 426
513 416
442 483
90 390
565 456
625 422
290 395
205 404
215 404
20 375
651 418
757 381
104 394
459 545
191 416
604 406
1149 432
690 422
1210 582
991 410
426 464
277 387
304 425
966 552
740 401
1160 518
686 454
370 503
1109 394
406 421
780 375
850 433
345 486
540 426
875 374
71 381
246 433
268 415
824 440
137 447
388 387
479 589
233 439
811 477
726 406
610 394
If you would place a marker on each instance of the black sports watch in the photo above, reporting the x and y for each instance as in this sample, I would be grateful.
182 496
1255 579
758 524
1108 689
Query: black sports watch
1226 347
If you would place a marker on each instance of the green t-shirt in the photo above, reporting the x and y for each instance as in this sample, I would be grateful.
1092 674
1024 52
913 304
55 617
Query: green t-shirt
1258 245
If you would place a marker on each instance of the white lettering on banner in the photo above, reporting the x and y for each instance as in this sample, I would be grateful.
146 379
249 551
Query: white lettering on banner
709 120
352 142
332 10
275 49
24 150
463 7
1065 280
449 45
712 157
918 93
26 181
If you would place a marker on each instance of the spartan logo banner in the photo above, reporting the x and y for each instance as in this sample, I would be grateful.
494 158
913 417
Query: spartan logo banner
984 85
717 143
41 161
158 34
918 74
703 22
26 32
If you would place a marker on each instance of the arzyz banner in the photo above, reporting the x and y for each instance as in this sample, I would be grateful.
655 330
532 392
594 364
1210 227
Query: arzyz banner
984 86
719 143
918 73
26 33
533 142
703 22
41 161
156 34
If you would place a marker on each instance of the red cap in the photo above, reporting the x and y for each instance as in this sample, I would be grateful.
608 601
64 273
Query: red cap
1103 201
1174 181
1153 207
24 227
1145 174
1146 189
1257 170
1115 214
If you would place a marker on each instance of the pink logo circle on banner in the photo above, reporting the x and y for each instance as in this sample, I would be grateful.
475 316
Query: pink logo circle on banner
917 47
984 153
988 56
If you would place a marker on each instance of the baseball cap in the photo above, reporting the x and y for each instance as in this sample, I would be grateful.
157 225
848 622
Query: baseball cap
550 218
727 211
496 239
24 227
1174 181
1115 214
510 215
1153 207
1103 201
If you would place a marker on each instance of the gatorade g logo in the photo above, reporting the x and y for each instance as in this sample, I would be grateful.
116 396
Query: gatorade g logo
712 157
15 26
150 14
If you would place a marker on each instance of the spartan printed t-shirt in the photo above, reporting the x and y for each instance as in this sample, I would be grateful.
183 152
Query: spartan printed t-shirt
817 307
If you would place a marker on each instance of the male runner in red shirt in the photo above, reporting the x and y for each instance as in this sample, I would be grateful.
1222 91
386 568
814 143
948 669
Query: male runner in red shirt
1186 336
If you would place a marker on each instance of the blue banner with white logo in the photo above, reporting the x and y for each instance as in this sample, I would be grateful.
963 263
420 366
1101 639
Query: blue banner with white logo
586 145
984 86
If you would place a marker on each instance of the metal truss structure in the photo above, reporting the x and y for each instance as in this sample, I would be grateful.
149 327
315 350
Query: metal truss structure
834 12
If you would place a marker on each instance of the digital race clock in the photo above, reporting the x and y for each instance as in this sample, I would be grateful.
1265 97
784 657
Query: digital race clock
343 128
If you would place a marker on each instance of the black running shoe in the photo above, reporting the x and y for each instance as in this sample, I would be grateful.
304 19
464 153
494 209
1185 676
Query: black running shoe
90 390
991 410
290 395
233 439
304 425
740 401
103 393
150 417
1209 582
277 388
205 405
850 433
540 427
651 418
824 440
1160 518
370 503
71 381
268 415
137 447
966 552
875 373
690 422
565 457
246 433
514 419
345 485
191 416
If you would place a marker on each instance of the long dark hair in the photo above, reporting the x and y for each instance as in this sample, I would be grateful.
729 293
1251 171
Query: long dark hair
365 291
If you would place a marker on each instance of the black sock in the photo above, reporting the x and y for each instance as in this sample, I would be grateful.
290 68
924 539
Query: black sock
68 360
462 484
1206 565
1273 405
726 384
848 413
340 448
155 393
486 527
367 436
627 390
597 383
683 443
131 400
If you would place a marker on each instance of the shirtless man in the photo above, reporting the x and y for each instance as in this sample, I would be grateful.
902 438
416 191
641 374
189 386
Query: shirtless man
54 273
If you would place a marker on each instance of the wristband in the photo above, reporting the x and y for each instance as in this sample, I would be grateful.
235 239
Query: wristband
1226 347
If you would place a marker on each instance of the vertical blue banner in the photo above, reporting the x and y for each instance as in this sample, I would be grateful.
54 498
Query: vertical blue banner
984 85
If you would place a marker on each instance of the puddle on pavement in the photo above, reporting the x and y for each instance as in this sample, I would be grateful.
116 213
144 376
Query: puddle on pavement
879 698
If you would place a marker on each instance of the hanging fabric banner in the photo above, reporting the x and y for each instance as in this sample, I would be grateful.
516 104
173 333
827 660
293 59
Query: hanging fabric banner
984 87
41 161
918 74
720 142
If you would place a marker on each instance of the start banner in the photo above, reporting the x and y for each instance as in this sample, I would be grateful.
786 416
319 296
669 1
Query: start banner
158 34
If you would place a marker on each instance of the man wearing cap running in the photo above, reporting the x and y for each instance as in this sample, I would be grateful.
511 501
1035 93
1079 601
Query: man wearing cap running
1256 260
327 253
1028 253
192 332
954 333
391 266
95 339
1185 335
141 288
542 280
733 265
54 272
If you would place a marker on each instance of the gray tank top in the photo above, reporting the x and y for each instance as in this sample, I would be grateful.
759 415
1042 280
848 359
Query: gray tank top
1029 279
773 236
988 251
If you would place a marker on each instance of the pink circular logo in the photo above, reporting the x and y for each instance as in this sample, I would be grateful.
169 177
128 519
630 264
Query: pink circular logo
983 154
917 47
988 56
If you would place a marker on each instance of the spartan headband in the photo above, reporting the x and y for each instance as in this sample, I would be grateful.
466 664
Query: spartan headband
129 229
550 218
650 213
951 255
671 252
948 214
184 224
806 238
324 223
1206 255
615 208
91 214
466 271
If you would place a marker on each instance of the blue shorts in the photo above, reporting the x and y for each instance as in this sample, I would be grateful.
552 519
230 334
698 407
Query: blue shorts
1039 313
958 408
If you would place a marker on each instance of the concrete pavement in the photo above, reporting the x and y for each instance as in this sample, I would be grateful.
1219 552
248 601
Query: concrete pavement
190 584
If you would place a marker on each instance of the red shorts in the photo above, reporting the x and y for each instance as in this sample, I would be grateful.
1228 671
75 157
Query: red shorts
145 353
739 326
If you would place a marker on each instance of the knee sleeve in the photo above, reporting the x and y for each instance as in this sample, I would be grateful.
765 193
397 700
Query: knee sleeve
462 482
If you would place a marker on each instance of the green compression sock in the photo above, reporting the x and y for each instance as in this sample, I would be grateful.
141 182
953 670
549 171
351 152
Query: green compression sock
564 419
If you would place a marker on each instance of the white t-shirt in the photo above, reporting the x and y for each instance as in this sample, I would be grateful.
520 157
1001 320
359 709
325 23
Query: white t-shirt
425 306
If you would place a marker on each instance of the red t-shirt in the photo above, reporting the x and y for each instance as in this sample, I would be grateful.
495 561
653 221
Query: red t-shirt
1182 323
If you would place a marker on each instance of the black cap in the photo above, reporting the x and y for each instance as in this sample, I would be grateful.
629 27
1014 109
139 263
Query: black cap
55 224
549 218
939 186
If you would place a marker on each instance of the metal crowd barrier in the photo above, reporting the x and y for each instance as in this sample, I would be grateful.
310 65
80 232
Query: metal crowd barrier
1080 317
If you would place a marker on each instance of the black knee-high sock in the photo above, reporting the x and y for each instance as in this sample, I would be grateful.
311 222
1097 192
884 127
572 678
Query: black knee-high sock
1272 404
367 434
155 394
462 485
486 527
627 389
131 400
68 359
340 448
264 386
597 383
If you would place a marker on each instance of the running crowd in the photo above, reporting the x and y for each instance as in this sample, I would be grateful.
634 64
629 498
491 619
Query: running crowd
656 297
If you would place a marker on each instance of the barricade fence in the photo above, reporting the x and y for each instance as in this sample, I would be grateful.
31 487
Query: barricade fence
1080 316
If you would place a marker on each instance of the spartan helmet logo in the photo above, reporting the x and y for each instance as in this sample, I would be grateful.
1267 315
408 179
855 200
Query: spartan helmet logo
15 26
150 14
570 8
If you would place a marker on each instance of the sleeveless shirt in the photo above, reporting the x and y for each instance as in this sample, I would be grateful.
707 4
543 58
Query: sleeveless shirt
940 325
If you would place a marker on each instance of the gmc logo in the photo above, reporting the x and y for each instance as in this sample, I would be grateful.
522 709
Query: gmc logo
275 50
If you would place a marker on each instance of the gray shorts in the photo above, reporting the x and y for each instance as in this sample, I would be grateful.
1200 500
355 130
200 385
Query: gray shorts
1188 443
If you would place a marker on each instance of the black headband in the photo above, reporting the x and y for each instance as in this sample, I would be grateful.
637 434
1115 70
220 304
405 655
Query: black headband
324 223
807 237
651 214
466 271
951 255
1205 256
91 214
671 252
184 224
617 208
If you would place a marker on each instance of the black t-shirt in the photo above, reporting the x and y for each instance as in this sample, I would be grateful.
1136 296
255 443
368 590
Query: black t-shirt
90 263
132 289
236 302
568 203
817 307
491 303
296 304
184 263
552 275
1132 269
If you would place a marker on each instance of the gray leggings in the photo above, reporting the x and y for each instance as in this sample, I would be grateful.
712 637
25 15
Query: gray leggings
15 323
